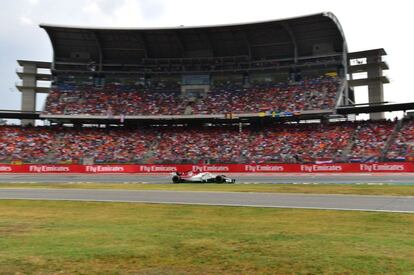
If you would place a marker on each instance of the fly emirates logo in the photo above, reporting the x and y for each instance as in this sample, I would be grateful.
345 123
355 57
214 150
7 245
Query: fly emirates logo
206 168
104 169
51 169
320 168
263 168
159 169
381 167
5 169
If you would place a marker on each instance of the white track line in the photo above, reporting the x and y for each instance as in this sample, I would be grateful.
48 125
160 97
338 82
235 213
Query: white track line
217 204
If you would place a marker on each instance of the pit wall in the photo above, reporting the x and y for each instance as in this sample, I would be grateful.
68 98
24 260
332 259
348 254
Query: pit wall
224 168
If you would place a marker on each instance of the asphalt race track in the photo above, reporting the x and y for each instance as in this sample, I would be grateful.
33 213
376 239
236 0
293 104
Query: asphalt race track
333 202
354 178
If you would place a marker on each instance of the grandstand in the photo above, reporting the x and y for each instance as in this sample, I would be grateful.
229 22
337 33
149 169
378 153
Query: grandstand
339 142
267 92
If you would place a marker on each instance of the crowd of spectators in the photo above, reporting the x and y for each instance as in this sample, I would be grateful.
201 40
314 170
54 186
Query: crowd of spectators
117 99
310 94
112 99
370 139
71 145
116 145
292 143
280 143
402 147
212 144
25 143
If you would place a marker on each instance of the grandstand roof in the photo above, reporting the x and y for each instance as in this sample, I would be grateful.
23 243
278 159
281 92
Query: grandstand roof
278 39
38 64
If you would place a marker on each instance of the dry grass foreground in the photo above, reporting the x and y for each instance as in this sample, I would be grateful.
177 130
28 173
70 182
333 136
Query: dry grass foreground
38 237
350 189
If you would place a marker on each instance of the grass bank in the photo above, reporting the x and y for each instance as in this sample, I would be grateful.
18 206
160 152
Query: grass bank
118 238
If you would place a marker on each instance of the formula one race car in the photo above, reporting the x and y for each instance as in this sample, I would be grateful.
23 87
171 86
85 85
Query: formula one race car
201 177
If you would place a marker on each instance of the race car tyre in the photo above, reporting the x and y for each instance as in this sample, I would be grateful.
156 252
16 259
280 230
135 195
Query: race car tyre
220 179
176 179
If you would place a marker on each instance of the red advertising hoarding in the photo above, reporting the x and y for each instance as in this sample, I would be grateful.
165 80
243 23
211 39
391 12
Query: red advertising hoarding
216 168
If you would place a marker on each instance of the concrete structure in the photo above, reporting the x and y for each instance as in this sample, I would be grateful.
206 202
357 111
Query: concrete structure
30 75
194 49
283 46
371 63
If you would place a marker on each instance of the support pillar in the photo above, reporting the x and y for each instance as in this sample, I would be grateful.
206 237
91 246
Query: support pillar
371 63
28 90
375 88
28 104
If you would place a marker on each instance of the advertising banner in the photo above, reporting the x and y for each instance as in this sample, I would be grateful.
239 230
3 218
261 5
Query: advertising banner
392 167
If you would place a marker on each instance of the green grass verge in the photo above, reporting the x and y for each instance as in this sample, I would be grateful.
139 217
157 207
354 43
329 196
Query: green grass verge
123 238
362 189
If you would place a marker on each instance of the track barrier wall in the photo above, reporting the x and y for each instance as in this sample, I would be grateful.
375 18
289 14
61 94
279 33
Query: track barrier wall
388 167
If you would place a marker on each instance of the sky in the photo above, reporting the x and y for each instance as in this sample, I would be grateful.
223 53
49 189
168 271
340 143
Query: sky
367 25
